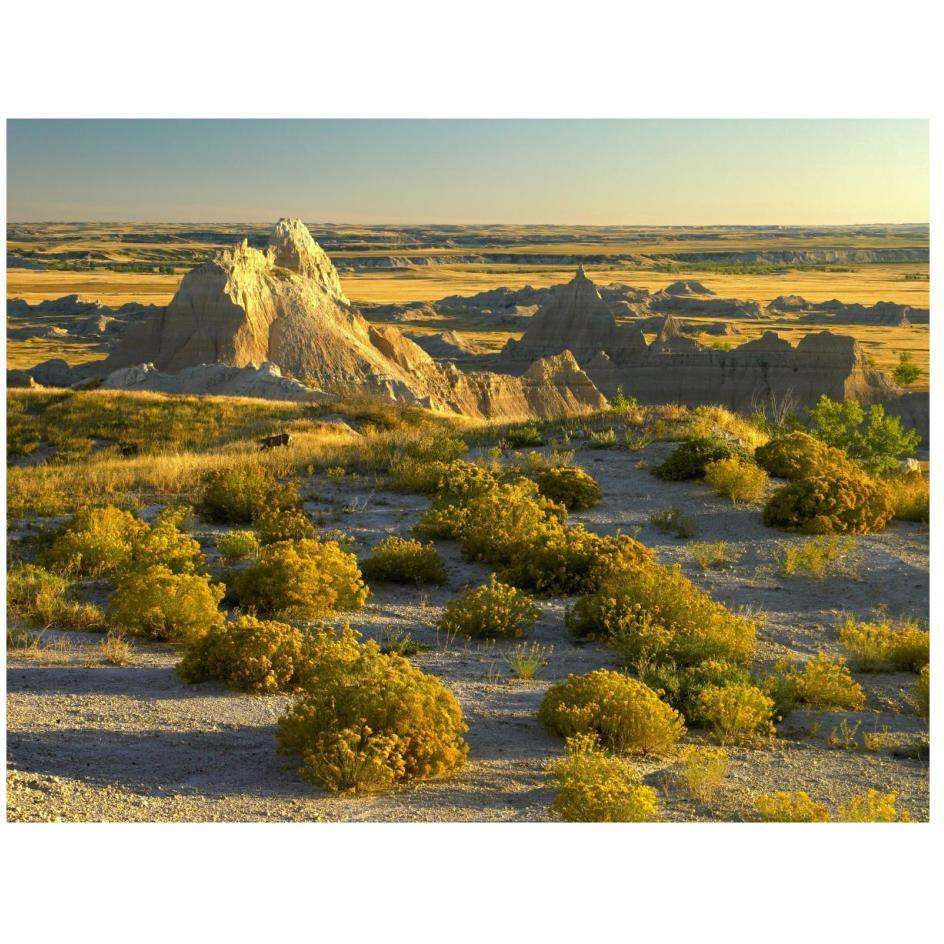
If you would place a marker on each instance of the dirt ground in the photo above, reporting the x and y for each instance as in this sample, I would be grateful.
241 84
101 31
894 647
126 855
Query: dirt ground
92 742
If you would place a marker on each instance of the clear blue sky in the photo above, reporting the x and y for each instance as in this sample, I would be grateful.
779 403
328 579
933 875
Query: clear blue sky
514 171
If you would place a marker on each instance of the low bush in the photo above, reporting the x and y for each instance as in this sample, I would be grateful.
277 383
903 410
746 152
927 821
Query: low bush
595 787
364 721
241 493
520 437
526 660
704 770
821 683
571 487
651 612
737 480
249 655
163 605
910 496
828 503
624 713
886 644
708 554
736 714
237 545
815 557
690 459
798 455
301 579
41 598
493 611
275 524
399 560
922 692
95 542
166 544
873 807
603 439
673 521
681 687
784 807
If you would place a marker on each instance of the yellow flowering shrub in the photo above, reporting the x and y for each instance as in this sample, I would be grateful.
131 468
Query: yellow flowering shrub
495 610
827 684
158 603
400 560
886 644
95 542
873 807
737 480
736 714
624 713
704 770
237 545
241 493
301 579
283 524
568 486
782 807
249 655
166 544
595 787
41 598
366 722
797 455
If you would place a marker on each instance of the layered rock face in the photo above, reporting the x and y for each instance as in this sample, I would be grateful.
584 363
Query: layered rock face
881 313
286 306
675 368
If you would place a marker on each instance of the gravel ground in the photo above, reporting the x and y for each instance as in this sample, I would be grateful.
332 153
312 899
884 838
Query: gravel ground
91 742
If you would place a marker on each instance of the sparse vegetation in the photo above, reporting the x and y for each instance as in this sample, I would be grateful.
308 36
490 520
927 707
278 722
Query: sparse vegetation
816 557
784 807
527 660
400 560
907 372
624 713
674 521
495 610
704 770
603 439
595 787
873 807
922 692
710 554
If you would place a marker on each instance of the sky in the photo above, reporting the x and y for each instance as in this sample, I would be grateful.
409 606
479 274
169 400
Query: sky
569 171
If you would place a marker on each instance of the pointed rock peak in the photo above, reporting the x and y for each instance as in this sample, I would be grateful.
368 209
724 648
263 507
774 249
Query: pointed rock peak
581 276
292 247
670 329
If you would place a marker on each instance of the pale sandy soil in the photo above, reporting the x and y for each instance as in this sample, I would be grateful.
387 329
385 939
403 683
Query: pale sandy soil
135 743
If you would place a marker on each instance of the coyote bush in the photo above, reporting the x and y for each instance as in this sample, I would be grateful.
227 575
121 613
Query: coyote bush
41 598
736 714
595 787
573 488
241 493
495 610
737 480
886 644
95 542
827 503
798 455
237 545
690 459
784 807
249 655
654 612
364 722
398 560
623 712
158 603
301 579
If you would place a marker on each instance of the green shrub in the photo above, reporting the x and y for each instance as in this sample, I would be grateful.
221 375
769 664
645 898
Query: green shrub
163 605
736 714
784 807
249 655
737 480
673 521
602 439
651 612
922 692
595 787
690 459
573 488
907 372
241 493
624 713
681 687
493 611
301 579
876 441
95 542
815 557
399 560
365 723
283 524
886 644
797 455
521 437
41 598
830 503
237 545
